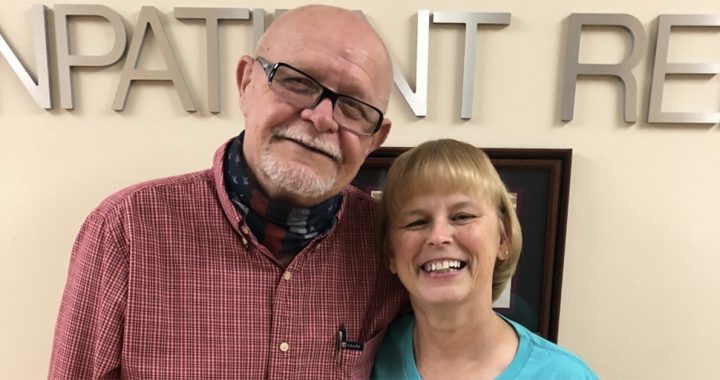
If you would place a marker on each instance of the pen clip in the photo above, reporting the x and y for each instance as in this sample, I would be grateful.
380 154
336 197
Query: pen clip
340 342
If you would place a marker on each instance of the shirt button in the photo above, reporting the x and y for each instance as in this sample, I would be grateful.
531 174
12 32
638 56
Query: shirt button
287 275
284 347
244 230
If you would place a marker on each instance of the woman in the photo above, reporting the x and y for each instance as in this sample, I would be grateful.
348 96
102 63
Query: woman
450 233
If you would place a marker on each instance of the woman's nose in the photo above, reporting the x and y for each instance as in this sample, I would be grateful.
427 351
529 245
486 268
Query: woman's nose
440 234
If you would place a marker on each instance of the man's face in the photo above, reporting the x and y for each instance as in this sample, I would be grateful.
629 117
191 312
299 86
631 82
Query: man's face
301 156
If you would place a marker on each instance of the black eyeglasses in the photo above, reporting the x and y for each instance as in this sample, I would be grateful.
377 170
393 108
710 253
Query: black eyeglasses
303 91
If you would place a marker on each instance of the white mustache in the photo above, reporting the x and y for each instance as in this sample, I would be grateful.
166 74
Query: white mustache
299 136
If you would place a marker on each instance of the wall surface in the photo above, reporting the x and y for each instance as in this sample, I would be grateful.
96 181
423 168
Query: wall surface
640 289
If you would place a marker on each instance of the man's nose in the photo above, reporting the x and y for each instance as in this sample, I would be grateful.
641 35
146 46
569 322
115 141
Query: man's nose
321 116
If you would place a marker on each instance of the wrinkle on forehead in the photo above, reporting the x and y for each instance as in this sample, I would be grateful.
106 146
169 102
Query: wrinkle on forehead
350 70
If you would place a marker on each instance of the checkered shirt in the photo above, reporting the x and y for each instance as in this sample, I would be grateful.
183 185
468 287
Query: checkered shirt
167 282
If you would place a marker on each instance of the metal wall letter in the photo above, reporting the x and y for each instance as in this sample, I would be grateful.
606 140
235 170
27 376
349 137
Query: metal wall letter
471 21
258 25
65 60
39 91
622 70
149 19
417 100
211 17
661 68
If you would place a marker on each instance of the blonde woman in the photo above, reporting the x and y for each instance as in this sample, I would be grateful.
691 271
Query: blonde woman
450 233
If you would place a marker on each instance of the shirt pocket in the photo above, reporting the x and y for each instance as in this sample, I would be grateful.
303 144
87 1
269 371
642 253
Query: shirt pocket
357 364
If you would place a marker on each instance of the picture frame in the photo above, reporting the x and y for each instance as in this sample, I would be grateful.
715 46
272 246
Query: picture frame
540 181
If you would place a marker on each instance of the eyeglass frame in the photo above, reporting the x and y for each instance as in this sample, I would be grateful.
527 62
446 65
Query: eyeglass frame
270 69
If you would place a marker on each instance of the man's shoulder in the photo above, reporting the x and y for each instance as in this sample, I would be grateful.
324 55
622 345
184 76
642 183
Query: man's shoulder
357 207
181 186
356 196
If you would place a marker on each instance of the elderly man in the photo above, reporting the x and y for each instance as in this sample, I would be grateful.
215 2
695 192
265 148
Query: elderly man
263 266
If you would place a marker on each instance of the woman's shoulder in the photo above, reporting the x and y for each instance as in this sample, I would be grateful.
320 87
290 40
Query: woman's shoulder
397 339
537 358
394 359
402 324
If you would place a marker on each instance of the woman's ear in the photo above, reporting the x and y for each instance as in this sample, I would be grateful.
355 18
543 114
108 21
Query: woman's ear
503 255
503 248
504 245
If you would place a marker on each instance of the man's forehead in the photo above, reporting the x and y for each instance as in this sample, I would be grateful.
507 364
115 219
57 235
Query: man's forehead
351 73
317 16
320 24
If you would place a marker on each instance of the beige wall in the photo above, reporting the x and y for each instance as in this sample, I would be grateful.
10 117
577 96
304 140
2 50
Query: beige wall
640 290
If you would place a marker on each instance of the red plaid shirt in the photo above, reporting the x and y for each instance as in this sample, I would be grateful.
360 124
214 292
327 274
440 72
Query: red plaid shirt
167 282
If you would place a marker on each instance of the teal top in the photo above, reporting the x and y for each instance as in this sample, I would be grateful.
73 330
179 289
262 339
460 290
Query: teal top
536 358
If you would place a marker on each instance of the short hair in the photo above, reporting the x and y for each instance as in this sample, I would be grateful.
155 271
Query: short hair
450 166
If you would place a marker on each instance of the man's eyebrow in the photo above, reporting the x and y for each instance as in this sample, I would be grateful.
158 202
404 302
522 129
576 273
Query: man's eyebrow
350 87
353 89
356 91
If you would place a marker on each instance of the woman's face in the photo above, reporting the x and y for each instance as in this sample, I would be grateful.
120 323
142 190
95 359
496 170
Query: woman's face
444 248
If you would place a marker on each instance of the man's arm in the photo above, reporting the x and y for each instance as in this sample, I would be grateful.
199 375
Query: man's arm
89 331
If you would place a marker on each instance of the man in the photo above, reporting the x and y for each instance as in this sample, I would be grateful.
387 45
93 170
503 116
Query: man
263 266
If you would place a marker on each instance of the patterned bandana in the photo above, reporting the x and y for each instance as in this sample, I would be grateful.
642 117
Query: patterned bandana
282 229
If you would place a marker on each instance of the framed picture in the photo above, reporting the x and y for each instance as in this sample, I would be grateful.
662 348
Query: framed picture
539 182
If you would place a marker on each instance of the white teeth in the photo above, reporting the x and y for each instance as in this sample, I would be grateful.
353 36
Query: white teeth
442 266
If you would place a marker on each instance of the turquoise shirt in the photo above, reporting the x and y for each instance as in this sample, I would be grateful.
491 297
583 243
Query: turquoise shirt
536 358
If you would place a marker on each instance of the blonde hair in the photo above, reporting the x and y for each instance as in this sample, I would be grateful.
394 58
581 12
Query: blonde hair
451 166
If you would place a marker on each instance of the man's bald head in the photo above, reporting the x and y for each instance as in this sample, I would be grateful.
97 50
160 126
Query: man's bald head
324 24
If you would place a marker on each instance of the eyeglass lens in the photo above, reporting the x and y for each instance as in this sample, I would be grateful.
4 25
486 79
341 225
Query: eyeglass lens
303 91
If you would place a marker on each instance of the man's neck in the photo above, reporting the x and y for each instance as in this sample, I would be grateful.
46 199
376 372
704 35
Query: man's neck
282 229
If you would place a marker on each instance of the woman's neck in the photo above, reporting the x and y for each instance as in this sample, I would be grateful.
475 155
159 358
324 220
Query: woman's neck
468 341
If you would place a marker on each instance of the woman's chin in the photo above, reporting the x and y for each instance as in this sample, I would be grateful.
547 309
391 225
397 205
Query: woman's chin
441 298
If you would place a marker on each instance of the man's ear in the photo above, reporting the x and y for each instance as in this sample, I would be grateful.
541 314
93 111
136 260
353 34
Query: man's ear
379 137
243 74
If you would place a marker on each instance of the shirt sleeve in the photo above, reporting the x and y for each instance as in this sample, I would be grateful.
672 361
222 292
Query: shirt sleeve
89 331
